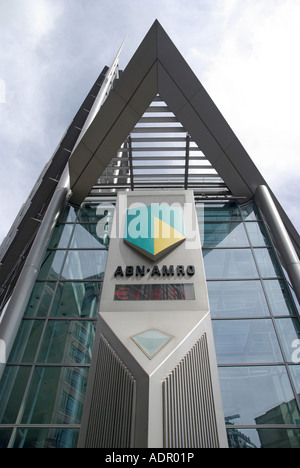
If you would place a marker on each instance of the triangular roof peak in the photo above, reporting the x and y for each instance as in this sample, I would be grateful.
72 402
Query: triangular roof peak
157 67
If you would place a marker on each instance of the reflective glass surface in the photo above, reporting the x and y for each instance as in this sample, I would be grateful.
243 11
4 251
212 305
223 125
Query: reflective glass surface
219 211
67 341
57 331
51 265
257 395
279 297
76 299
5 435
61 236
225 235
263 438
47 438
84 264
40 299
267 264
246 341
229 264
85 236
237 299
250 212
27 341
49 403
256 330
257 234
295 371
289 332
12 386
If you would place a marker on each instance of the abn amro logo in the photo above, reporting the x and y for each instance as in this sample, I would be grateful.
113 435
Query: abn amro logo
154 230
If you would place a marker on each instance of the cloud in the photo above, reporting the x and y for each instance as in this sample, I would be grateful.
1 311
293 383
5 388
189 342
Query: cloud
243 51
254 81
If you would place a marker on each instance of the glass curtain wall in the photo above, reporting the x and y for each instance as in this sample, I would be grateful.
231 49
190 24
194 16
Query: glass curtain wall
256 327
255 323
43 387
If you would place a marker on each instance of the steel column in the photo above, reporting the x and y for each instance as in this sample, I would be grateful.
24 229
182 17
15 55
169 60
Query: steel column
15 310
280 236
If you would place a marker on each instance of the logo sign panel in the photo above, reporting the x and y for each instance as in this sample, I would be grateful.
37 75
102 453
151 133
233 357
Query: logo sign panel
154 230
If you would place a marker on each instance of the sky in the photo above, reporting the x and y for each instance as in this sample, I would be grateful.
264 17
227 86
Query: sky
244 52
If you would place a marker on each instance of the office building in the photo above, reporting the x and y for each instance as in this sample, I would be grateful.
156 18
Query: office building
150 285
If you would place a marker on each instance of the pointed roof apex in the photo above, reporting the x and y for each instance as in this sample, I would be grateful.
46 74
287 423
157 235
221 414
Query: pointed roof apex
157 67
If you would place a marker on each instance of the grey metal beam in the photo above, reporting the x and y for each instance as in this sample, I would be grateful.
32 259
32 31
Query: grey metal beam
280 236
15 310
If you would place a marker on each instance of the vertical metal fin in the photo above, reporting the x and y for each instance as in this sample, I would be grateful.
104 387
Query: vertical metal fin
189 410
113 402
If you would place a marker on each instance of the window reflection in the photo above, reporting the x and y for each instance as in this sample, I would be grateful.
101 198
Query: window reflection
279 297
246 341
236 299
258 395
229 263
68 342
267 263
257 234
76 299
86 236
263 438
85 264
64 401
225 235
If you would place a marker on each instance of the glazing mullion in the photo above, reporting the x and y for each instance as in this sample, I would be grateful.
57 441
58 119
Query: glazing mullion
33 364
297 399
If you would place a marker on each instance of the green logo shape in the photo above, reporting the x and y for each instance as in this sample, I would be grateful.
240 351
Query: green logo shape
154 230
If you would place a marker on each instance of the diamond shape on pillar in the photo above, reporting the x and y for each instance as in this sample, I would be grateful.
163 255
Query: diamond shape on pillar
151 341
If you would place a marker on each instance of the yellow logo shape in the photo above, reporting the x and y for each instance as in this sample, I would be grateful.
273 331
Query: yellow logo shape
165 236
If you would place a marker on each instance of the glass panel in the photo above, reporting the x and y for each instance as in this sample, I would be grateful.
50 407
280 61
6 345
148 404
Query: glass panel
61 236
250 212
69 215
236 299
27 341
46 438
257 395
76 299
94 212
67 342
85 236
229 264
40 300
257 234
279 297
12 385
289 332
51 265
56 396
246 341
295 371
267 263
219 212
263 438
225 235
85 264
4 437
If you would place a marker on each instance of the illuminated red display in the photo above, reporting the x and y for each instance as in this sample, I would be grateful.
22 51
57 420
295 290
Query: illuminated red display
154 292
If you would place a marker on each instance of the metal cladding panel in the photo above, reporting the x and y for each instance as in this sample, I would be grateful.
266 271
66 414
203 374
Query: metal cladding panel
113 402
189 411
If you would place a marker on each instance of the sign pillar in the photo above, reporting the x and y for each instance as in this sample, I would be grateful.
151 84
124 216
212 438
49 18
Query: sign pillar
154 379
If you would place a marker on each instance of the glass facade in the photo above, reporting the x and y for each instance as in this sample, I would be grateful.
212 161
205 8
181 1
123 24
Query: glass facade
43 387
255 323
